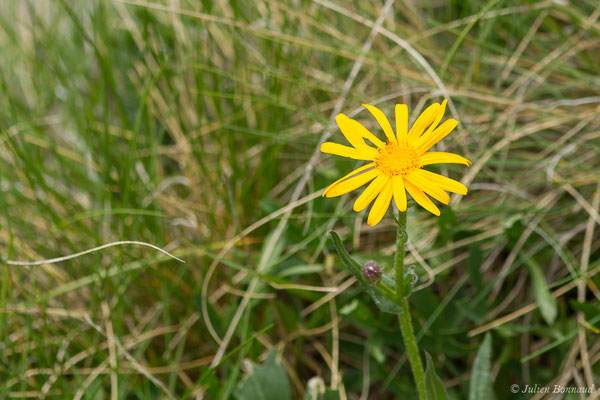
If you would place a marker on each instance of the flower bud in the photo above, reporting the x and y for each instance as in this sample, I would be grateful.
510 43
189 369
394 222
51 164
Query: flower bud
372 272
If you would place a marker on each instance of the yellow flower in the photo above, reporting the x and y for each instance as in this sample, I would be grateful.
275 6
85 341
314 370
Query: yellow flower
396 165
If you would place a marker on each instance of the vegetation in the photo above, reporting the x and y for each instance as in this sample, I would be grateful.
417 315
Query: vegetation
195 126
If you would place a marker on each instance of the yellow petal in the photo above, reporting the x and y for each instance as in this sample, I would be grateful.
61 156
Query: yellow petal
351 174
383 122
426 142
399 192
436 121
440 157
351 134
350 125
402 123
424 120
443 182
350 131
382 203
367 153
421 198
348 185
370 192
428 187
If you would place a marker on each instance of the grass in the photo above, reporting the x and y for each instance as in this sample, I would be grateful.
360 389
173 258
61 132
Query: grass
194 127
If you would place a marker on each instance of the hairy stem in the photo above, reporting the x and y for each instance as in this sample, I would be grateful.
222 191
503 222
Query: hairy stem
408 334
401 238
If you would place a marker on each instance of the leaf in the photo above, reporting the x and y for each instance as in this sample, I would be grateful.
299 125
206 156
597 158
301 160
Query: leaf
95 390
272 248
301 270
382 301
376 347
513 228
269 382
589 311
331 394
481 373
352 266
212 386
475 310
474 266
433 384
547 303
348 308
446 222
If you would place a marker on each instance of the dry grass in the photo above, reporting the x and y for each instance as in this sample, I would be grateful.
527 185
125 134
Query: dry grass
195 127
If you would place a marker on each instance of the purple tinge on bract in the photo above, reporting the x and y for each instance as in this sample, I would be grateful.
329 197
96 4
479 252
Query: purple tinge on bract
372 271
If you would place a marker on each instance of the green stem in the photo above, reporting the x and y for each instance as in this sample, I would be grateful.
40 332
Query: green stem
412 349
401 237
408 333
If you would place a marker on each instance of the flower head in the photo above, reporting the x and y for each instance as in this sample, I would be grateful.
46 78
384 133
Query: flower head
372 272
396 166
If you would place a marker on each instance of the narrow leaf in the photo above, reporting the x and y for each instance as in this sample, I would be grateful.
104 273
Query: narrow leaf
352 266
385 303
272 248
433 384
331 394
481 373
474 266
547 303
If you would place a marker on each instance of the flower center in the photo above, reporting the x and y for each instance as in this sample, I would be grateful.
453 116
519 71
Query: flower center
395 160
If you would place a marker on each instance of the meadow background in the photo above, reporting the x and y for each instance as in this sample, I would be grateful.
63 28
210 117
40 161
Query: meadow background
195 126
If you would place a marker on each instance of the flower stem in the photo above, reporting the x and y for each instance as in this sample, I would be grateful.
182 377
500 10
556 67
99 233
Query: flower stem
408 334
401 237
412 349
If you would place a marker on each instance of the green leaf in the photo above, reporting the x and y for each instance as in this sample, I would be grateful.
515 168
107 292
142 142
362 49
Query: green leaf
433 384
474 266
590 311
352 266
211 386
331 394
348 308
301 270
95 390
272 249
384 302
481 373
376 347
446 222
269 382
547 303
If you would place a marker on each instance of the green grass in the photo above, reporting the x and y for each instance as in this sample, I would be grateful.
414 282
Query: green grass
191 128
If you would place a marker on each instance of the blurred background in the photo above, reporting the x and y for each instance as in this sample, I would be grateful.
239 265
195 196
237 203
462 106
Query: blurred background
194 126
